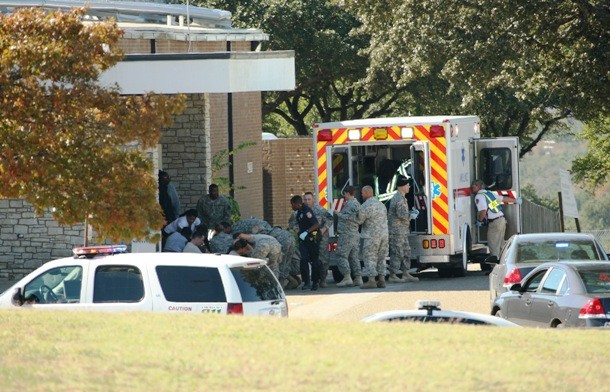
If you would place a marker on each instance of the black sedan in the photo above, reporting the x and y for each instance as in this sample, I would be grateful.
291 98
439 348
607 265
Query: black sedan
559 294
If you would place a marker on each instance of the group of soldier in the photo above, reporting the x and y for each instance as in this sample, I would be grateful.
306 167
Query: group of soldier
298 255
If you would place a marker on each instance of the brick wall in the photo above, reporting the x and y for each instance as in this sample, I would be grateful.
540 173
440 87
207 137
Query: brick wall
247 127
287 171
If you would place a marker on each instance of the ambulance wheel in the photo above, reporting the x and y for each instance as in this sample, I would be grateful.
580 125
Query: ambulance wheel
445 272
337 276
459 265
459 271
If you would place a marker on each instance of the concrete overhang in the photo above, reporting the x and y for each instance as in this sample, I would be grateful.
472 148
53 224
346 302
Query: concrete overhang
192 73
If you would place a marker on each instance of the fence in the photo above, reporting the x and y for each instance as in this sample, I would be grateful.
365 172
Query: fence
603 236
538 219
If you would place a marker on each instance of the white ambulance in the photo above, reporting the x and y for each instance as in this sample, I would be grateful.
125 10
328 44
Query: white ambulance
442 155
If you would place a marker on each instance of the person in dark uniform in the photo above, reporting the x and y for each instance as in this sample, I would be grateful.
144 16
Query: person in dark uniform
308 242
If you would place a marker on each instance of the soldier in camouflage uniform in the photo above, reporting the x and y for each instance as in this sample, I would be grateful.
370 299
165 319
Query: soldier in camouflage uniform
399 218
325 218
222 240
213 208
288 243
374 233
348 244
265 247
251 225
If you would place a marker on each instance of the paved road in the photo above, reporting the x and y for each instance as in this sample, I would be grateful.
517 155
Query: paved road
470 293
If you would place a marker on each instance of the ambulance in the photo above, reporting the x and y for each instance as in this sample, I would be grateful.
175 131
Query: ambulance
442 155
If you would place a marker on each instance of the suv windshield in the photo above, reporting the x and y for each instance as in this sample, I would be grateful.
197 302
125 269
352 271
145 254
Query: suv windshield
257 284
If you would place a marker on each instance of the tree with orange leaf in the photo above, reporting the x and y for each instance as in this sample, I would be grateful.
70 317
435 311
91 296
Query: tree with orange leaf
67 143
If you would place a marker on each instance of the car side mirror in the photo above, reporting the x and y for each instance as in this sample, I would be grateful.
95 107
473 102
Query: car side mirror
17 299
493 259
516 287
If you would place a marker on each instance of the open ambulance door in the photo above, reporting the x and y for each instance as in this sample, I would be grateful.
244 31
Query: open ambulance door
419 196
497 164
339 172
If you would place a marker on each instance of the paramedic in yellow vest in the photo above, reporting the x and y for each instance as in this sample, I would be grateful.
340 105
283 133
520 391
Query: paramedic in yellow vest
489 212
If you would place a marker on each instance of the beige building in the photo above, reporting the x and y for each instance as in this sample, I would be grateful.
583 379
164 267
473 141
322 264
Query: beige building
171 49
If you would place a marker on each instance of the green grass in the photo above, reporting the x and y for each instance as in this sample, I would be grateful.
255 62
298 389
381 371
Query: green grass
68 351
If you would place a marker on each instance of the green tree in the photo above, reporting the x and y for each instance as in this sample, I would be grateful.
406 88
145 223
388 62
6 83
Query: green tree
329 69
593 168
522 66
67 143
221 161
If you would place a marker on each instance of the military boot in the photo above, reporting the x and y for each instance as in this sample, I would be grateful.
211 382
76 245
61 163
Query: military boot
346 282
395 279
407 277
371 284
292 283
381 282
358 281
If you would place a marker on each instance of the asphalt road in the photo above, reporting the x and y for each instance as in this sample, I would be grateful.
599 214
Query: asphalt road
470 293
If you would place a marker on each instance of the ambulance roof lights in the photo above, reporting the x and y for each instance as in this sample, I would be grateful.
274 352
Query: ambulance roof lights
325 135
407 133
353 134
380 134
437 131
90 251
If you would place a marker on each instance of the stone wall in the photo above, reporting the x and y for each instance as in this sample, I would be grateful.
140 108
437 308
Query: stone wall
28 241
288 170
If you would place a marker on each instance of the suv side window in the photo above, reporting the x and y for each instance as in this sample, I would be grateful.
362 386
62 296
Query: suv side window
118 283
191 284
256 284
58 285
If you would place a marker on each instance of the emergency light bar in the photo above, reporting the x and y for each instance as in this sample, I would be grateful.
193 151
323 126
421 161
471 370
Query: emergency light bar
406 133
99 250
353 134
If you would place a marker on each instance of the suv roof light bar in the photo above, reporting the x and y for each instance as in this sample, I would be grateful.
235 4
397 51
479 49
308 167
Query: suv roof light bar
90 251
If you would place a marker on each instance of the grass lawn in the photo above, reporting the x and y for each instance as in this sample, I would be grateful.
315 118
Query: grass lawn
68 351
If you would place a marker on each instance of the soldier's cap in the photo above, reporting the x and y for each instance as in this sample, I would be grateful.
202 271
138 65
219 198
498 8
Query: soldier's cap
402 181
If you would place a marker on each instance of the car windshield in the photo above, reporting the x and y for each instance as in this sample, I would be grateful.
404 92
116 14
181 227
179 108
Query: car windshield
596 280
538 251
257 284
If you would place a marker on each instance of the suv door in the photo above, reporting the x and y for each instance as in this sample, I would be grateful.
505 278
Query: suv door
57 288
118 287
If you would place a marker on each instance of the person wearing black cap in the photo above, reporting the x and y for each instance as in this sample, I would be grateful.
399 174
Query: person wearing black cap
399 218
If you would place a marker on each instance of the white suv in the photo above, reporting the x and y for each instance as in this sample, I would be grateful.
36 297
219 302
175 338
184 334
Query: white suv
105 278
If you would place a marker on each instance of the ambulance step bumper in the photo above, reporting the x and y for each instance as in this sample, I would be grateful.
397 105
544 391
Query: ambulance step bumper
434 259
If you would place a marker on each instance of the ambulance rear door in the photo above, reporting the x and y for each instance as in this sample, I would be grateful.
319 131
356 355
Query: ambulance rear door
496 162
420 173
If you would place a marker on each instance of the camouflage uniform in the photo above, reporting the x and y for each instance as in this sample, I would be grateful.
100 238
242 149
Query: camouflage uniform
398 223
221 243
212 212
288 243
251 226
348 244
374 233
267 247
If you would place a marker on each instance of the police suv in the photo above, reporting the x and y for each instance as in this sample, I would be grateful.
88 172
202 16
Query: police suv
108 279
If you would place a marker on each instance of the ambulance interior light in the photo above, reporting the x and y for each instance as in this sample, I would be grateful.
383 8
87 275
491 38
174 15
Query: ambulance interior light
353 134
406 133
